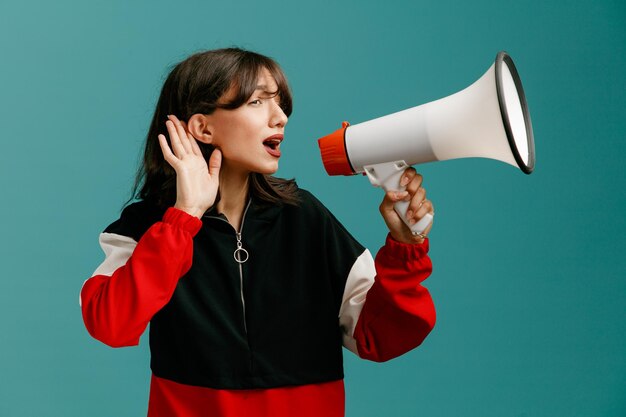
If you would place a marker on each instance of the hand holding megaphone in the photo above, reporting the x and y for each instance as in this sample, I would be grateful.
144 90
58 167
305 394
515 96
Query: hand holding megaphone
408 214
388 176
488 119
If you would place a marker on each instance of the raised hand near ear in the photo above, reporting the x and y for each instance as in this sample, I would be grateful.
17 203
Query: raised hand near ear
196 181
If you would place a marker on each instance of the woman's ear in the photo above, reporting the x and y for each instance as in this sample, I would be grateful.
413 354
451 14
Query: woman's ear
200 127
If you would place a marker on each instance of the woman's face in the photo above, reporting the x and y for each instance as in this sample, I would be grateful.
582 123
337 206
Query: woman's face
250 135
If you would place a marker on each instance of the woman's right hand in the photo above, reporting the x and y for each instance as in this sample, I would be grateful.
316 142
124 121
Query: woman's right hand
196 183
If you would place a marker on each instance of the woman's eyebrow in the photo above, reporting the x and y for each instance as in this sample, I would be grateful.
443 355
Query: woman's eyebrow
263 88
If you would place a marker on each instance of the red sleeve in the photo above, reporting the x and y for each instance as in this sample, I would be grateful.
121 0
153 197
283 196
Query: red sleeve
116 309
398 312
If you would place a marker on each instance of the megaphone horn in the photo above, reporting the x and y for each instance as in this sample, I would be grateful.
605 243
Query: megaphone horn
488 119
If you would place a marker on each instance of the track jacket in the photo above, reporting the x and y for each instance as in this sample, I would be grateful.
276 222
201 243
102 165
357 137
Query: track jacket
261 337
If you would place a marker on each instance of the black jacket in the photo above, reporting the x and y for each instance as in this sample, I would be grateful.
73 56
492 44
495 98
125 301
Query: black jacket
268 322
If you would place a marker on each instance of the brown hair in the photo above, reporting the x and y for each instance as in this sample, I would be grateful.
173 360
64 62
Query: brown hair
194 86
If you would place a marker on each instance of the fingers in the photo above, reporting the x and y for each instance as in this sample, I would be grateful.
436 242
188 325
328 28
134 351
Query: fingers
411 179
391 198
418 206
194 145
192 139
415 184
426 207
167 152
417 200
182 141
215 162
184 135
177 146
417 195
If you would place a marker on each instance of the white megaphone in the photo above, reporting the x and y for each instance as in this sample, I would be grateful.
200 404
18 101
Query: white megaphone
488 119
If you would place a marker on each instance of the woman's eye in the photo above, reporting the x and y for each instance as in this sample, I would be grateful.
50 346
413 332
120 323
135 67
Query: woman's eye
257 101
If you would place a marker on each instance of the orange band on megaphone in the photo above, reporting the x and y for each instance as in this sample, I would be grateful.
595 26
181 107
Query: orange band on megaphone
334 154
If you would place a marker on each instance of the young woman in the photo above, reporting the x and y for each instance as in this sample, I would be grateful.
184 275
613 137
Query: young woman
250 285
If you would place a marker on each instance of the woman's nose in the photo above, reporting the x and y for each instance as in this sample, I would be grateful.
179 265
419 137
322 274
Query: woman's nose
279 118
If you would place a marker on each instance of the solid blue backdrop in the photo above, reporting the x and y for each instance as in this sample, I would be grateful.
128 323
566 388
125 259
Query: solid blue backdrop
529 271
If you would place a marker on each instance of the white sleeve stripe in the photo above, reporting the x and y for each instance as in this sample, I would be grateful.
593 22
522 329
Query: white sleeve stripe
360 280
117 249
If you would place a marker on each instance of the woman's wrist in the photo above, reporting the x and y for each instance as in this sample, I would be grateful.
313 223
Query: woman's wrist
407 238
193 211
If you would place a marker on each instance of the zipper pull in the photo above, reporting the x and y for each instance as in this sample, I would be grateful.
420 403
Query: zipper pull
240 254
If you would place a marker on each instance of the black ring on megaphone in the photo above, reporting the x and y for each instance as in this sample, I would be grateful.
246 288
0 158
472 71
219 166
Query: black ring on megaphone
505 58
345 147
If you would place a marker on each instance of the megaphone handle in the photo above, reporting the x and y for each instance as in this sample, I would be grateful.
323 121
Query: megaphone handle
387 175
402 206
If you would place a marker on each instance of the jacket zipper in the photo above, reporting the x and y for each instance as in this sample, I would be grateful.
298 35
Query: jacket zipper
241 256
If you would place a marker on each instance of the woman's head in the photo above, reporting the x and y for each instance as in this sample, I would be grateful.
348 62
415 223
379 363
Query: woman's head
249 135
201 84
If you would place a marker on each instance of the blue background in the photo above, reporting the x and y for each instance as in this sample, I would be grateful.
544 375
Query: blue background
529 278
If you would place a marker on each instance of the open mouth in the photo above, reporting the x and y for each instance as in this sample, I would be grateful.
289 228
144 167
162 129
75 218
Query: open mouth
272 145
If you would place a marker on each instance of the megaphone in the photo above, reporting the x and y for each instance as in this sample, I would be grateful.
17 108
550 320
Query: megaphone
488 119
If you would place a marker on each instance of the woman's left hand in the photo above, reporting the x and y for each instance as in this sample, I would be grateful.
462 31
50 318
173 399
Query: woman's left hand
418 207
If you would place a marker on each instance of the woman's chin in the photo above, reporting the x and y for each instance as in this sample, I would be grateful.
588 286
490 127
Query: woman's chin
269 171
237 168
268 168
